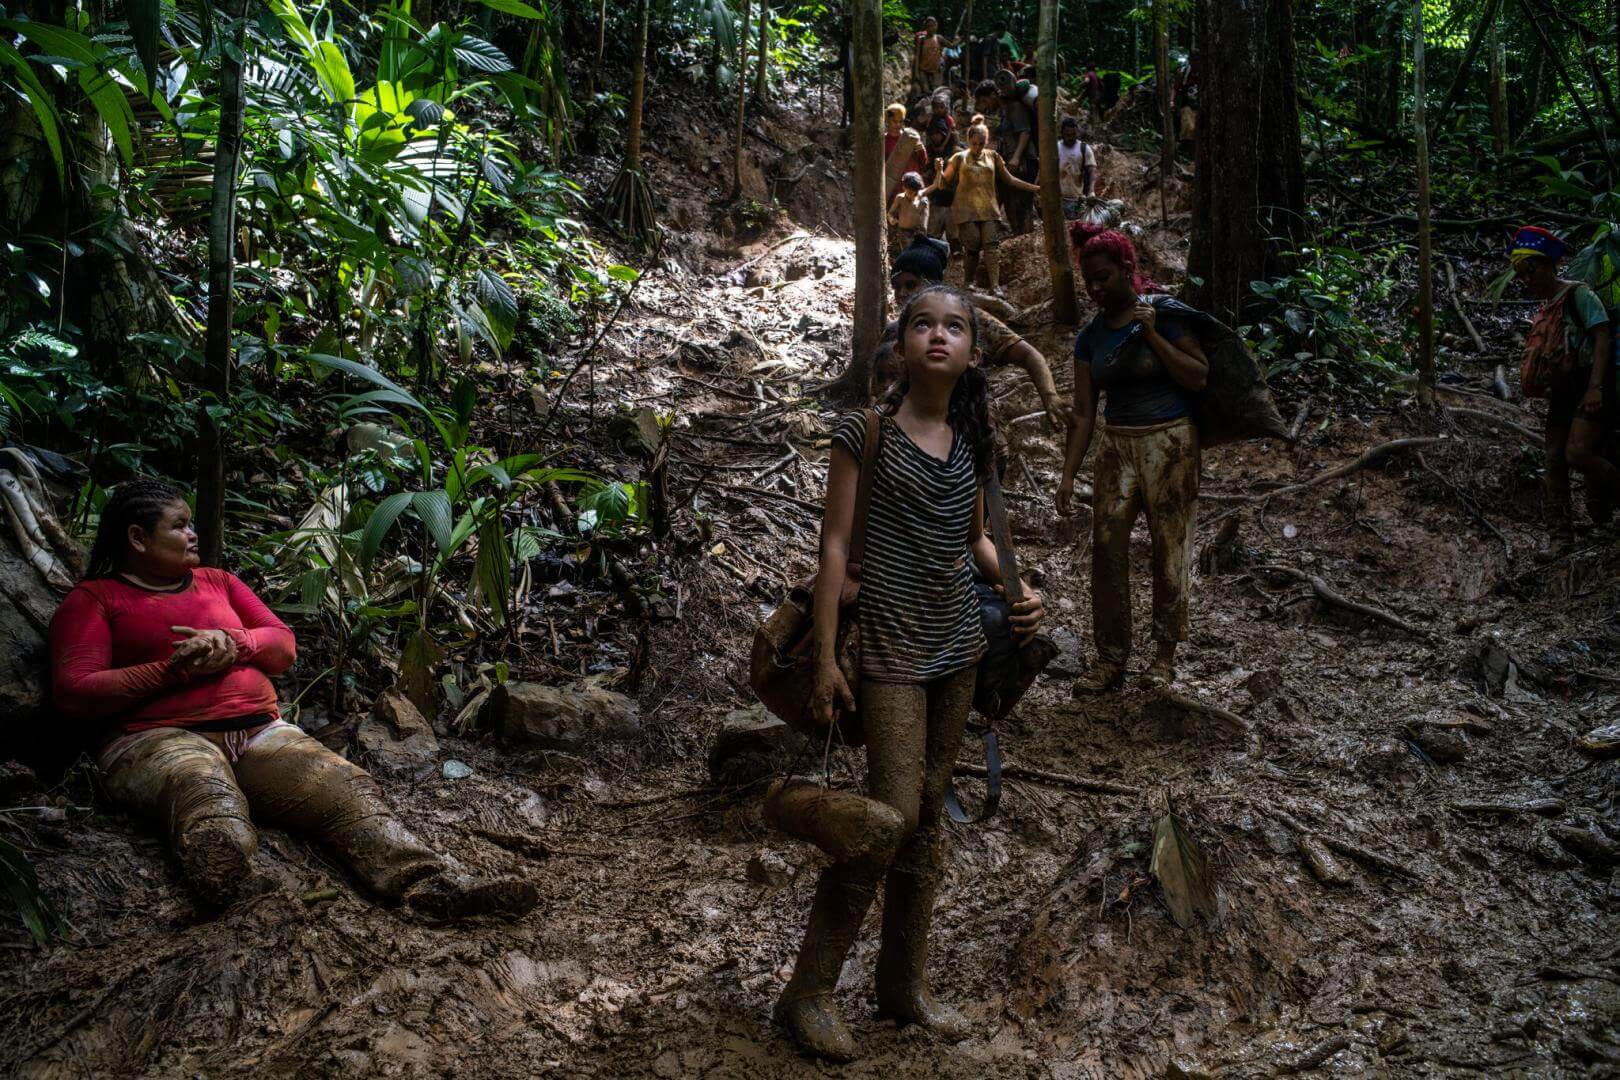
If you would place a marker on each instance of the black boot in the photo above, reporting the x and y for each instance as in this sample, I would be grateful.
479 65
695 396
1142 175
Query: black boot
806 1007
902 968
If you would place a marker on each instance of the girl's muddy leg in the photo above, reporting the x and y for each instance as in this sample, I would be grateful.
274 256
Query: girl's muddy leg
294 781
913 881
1115 503
183 780
1169 463
992 268
970 268
896 726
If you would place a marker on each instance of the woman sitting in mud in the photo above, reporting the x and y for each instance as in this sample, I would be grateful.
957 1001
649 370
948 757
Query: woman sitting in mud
923 264
169 665
921 641
1150 370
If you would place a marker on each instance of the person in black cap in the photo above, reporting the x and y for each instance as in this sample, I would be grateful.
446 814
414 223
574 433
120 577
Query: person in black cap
922 263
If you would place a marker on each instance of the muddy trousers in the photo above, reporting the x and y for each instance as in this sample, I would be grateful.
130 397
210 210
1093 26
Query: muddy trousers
206 802
913 733
1153 470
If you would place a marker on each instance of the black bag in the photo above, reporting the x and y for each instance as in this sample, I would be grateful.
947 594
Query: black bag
1007 670
1235 404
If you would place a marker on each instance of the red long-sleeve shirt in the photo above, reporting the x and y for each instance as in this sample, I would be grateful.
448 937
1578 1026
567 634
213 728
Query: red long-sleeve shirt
111 642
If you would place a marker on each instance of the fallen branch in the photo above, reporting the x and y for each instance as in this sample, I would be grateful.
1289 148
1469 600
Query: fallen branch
1299 420
1327 595
1535 438
805 504
1203 708
1456 305
1368 457
1354 851
1040 776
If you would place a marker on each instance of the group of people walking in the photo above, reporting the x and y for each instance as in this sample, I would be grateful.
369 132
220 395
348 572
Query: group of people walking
974 182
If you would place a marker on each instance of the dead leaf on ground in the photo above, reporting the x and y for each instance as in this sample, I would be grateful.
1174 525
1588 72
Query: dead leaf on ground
1183 872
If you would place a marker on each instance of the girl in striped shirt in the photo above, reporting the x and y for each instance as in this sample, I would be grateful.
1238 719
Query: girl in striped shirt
920 645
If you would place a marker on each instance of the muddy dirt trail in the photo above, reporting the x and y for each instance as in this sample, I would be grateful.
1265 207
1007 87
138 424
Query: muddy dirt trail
1422 758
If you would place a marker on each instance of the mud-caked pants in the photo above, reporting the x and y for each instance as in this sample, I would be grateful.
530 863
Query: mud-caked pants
206 788
913 733
1151 469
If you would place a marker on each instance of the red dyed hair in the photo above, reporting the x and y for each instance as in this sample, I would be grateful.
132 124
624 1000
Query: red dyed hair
1089 238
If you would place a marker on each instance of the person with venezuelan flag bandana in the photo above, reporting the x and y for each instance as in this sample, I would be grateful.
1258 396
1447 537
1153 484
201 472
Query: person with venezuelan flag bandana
1568 360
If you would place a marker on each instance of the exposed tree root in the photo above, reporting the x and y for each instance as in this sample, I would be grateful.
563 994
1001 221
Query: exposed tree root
1535 438
1327 595
630 207
1054 779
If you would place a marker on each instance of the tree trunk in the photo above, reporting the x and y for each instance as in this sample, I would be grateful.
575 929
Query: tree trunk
1167 122
762 83
1395 24
601 44
1497 91
1065 310
638 91
1250 184
217 358
742 104
866 37
1487 23
1420 132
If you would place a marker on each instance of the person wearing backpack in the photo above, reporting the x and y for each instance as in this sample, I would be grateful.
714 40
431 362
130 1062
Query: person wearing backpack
1568 360
921 641
1150 368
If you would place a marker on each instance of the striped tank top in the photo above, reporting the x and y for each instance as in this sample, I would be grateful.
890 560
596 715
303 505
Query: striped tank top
918 617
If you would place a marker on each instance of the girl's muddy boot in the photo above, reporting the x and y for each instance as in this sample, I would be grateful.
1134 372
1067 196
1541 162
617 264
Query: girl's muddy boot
848 826
456 896
806 1007
902 968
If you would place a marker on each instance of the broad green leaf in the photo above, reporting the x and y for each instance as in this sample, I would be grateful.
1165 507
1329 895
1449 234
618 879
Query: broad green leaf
514 7
380 522
492 570
332 68
44 106
369 374
500 304
480 55
433 507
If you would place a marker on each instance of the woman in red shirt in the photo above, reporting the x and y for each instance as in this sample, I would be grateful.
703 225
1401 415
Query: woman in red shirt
171 664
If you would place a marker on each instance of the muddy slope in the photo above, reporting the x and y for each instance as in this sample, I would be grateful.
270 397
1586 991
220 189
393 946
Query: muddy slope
1473 929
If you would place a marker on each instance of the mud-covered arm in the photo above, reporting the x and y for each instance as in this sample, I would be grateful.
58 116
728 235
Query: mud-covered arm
1085 422
1009 179
1602 336
83 681
1183 358
1028 357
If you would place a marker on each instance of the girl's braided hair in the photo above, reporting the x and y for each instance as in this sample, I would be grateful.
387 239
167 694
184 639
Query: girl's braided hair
969 410
134 502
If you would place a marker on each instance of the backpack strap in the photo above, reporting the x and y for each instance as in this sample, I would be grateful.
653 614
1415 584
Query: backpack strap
995 508
863 488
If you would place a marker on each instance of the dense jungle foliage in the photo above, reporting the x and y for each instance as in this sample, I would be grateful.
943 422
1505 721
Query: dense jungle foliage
407 242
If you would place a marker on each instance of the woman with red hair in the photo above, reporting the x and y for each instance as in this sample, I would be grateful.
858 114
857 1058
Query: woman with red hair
1150 368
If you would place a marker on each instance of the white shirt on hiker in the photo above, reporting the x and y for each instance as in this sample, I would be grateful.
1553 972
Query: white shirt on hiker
1072 163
